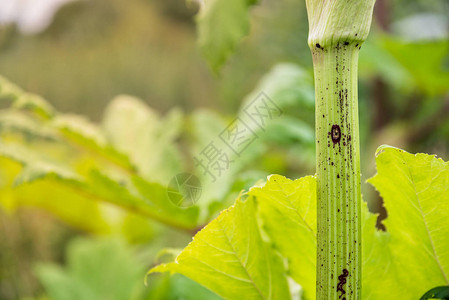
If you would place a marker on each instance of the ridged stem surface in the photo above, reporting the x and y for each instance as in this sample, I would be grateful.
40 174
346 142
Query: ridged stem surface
338 171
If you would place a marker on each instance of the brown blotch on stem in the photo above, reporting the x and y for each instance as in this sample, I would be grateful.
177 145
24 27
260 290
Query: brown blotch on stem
335 134
342 282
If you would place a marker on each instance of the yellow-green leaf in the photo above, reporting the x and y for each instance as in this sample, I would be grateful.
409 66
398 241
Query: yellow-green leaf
230 257
288 211
415 189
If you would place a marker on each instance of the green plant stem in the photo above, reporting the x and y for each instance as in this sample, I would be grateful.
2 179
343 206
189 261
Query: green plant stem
336 31
338 171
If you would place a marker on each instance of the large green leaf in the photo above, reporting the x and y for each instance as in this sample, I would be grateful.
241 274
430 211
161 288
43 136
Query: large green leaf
288 210
230 257
414 256
221 26
288 216
375 255
402 263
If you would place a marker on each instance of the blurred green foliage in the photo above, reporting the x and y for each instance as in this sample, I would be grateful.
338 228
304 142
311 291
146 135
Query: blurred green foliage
110 178
111 269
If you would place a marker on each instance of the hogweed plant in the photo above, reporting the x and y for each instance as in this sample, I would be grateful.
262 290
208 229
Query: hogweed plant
309 238
337 31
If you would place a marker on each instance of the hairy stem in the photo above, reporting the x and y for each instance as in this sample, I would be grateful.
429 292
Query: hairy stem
337 30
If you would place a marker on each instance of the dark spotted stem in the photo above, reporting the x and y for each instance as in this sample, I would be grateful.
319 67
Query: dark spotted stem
338 171
337 31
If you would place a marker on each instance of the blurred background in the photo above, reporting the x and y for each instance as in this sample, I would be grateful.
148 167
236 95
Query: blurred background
130 102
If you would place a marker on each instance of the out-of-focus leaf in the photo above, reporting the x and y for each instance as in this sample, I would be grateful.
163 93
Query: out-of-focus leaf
288 85
185 288
26 101
81 126
97 186
88 137
290 88
96 269
14 121
400 62
288 130
148 140
375 60
415 189
8 89
179 287
230 252
73 129
82 149
157 195
204 130
429 74
221 26
204 127
147 199
77 209
35 104
35 166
